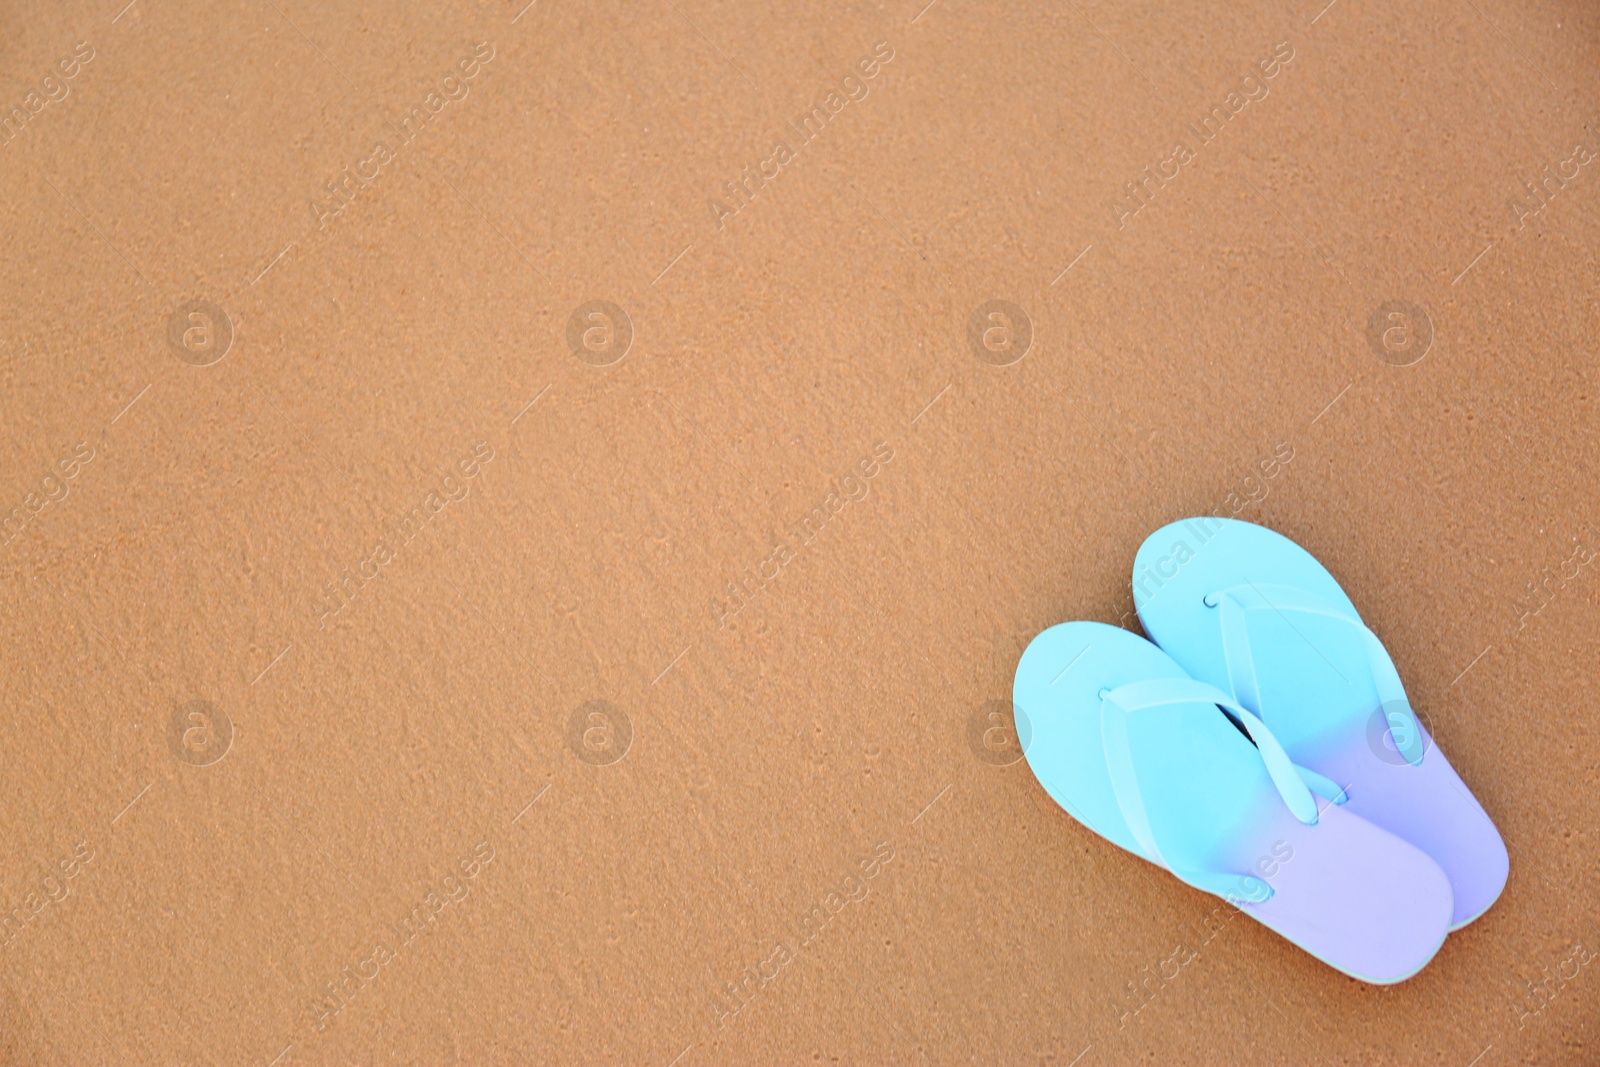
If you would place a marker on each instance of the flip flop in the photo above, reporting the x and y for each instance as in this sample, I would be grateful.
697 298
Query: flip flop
1255 615
1177 772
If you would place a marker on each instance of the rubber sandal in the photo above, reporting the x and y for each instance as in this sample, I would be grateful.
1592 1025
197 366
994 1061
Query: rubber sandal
1177 772
1255 615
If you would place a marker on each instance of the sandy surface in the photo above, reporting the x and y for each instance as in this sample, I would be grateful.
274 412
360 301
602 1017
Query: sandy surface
518 518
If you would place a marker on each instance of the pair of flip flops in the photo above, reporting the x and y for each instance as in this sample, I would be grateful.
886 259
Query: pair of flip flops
1264 752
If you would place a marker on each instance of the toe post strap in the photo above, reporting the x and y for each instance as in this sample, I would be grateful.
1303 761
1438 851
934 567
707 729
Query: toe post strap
1233 602
1322 785
1295 784
1134 697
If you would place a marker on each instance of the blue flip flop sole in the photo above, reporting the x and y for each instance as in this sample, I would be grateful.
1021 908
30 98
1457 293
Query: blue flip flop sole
1353 895
1311 678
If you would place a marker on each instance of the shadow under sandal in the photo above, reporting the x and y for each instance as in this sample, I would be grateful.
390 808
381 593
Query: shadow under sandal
1177 772
1257 616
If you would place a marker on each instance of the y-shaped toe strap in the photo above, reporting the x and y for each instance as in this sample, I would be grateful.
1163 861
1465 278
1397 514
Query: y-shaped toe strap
1295 784
1233 602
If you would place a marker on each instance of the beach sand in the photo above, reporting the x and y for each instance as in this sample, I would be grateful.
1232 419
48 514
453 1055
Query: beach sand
520 519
